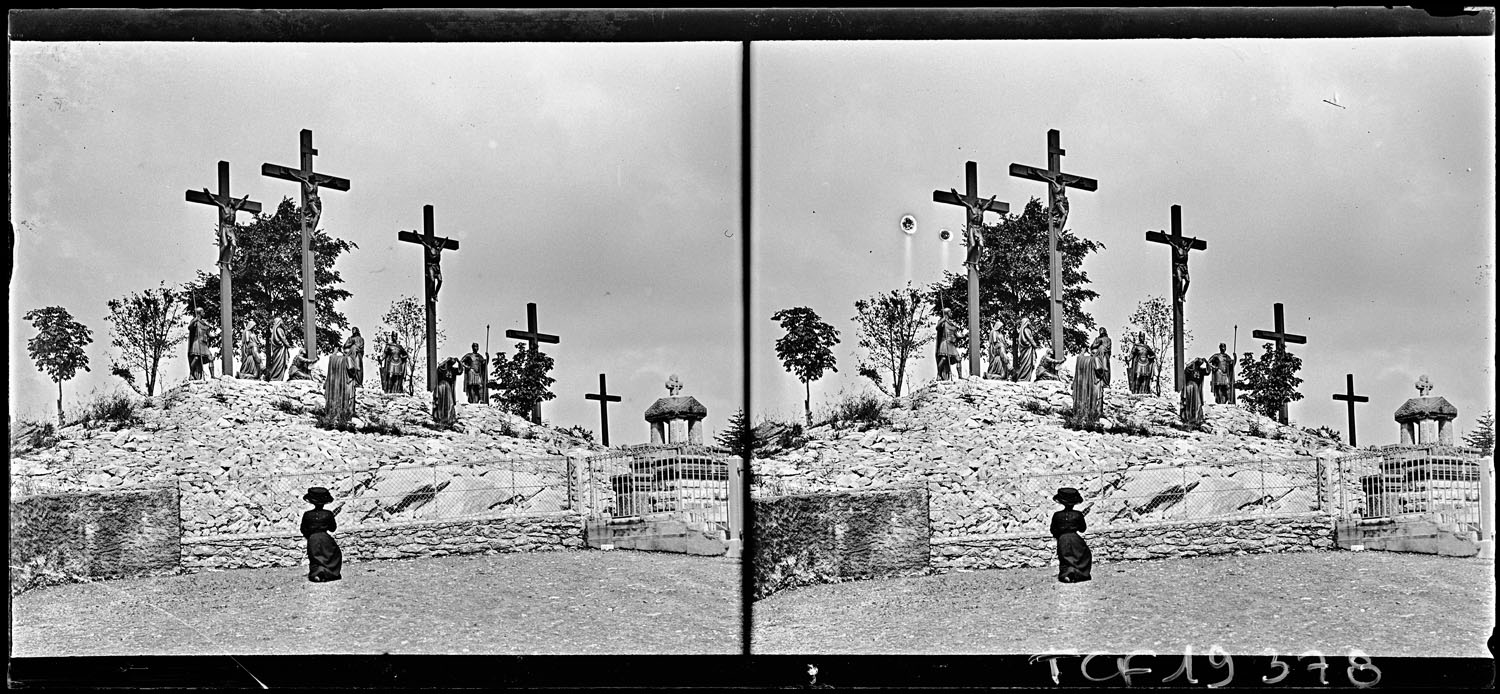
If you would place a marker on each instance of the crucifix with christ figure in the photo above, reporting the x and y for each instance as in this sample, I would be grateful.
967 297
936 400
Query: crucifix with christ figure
1058 184
1181 246
975 207
228 208
532 337
604 399
309 181
1281 337
432 280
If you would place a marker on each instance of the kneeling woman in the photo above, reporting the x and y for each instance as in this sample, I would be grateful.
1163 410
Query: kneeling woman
324 559
1073 557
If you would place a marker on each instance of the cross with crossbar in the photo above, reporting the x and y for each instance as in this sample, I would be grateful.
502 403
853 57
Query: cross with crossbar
604 399
1349 396
1281 336
532 337
432 280
228 208
973 236
310 182
1181 247
1057 185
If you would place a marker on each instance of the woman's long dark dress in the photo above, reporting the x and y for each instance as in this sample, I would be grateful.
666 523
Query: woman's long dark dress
324 559
1074 559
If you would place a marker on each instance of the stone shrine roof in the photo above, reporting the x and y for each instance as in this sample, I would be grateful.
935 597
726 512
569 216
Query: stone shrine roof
1430 407
676 407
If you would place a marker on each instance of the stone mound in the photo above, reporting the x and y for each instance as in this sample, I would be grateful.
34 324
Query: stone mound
992 453
235 445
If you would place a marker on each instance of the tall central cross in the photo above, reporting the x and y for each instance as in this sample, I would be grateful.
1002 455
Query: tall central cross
604 399
1181 246
432 280
973 237
310 182
1057 201
1349 396
228 208
1281 336
532 337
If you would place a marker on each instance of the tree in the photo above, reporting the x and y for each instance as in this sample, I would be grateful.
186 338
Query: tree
1013 274
739 436
267 278
1483 435
58 346
407 318
144 326
1153 316
1272 380
806 349
892 329
519 383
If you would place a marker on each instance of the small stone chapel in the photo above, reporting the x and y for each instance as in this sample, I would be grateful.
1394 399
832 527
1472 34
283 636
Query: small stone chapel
676 418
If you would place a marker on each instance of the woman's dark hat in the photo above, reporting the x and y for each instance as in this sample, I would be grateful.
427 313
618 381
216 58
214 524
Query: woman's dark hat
1068 495
318 495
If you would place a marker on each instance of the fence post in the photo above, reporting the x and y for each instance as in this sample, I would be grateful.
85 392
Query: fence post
736 506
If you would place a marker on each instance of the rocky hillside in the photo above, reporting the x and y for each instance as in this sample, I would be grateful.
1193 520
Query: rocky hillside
233 445
992 453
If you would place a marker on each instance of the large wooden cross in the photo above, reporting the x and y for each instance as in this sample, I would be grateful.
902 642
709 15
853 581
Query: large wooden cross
604 399
1348 395
1281 336
432 280
1181 246
1057 201
228 208
974 237
310 183
532 337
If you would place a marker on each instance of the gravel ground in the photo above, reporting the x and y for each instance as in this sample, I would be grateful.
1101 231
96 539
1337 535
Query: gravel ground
1383 603
565 602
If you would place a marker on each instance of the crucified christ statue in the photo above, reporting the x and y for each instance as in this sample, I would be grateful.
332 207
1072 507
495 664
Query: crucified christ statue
228 242
974 230
1180 248
314 203
1059 191
433 256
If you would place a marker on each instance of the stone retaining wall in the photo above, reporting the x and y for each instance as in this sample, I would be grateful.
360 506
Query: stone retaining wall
516 533
58 538
824 538
1299 532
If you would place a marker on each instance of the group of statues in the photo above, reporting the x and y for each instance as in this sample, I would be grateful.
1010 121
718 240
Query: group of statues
1220 367
278 363
474 368
1013 355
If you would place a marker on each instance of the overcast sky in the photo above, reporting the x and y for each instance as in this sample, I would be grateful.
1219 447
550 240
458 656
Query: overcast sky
600 181
1373 221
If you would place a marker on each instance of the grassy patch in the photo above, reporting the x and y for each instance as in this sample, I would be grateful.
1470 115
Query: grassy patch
862 411
113 409
288 406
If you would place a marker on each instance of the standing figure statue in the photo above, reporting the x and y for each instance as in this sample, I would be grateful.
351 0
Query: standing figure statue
393 365
444 402
277 351
1088 388
250 364
475 375
198 352
947 354
1025 360
338 390
1222 365
974 228
1142 365
354 348
1102 348
1046 366
1000 358
1192 391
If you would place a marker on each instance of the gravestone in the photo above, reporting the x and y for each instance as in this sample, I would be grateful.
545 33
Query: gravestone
676 418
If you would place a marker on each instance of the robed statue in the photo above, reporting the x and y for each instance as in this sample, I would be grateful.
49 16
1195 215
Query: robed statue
1102 348
1046 366
1192 391
1000 357
250 364
1088 387
277 350
1025 359
354 348
338 389
444 401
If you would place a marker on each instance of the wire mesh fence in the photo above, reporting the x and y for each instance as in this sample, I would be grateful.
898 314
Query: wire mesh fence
691 483
1113 495
1439 483
375 496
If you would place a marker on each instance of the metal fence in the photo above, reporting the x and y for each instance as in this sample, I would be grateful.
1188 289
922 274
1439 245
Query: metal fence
1114 495
375 496
691 483
1440 483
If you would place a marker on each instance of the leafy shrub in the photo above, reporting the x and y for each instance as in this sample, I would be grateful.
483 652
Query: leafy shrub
579 432
1036 407
43 436
863 411
1256 429
507 428
793 436
288 406
376 425
173 398
114 408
